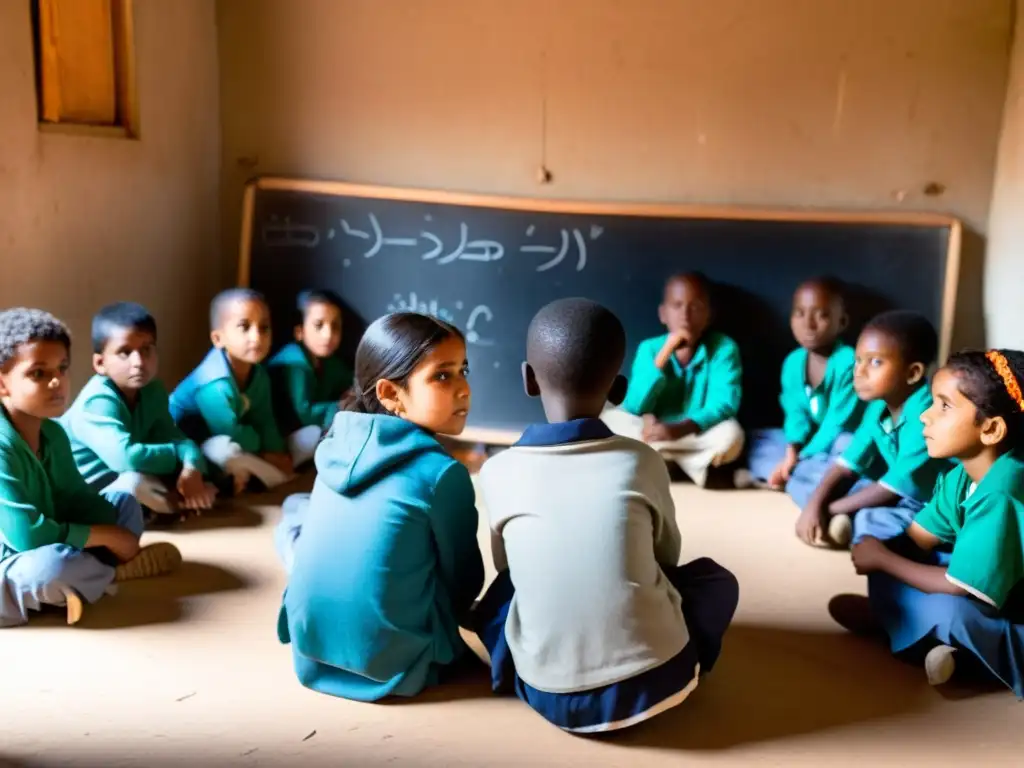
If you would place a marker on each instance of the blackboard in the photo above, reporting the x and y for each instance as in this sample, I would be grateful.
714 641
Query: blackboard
488 264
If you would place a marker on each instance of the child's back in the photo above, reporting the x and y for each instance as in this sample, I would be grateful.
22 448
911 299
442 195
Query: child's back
366 566
591 621
383 556
586 527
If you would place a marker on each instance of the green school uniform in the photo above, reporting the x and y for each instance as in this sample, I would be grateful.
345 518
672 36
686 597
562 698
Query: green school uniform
985 525
303 395
43 499
108 438
895 455
210 402
816 416
707 391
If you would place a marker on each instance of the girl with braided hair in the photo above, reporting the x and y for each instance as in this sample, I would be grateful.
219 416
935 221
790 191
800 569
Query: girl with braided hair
952 587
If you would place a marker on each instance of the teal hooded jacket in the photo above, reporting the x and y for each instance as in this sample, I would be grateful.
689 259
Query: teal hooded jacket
386 564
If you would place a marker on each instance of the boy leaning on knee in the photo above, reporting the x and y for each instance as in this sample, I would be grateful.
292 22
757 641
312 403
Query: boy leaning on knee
685 386
61 543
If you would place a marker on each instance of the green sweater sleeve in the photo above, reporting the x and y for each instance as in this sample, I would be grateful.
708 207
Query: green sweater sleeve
75 501
100 426
454 519
725 374
299 384
219 404
261 415
22 524
843 409
646 380
164 430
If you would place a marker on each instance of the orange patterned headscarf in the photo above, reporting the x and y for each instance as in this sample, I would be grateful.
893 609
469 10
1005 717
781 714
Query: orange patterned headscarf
1002 366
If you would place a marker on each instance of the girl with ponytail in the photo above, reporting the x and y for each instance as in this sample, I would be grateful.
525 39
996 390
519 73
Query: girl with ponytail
382 557
953 586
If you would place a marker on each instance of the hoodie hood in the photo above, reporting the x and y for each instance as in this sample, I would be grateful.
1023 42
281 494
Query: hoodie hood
360 448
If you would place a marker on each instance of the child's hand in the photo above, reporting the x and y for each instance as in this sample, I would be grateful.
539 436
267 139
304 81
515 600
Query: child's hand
280 460
672 343
195 493
122 542
868 555
810 524
781 474
660 432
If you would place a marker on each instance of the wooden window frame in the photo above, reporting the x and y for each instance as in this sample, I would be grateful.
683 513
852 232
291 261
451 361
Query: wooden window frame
126 114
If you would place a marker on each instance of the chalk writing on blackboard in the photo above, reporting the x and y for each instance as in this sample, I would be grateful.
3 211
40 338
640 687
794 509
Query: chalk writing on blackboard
285 234
479 249
479 315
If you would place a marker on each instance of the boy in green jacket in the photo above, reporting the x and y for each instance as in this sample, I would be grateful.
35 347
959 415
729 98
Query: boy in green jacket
685 386
819 403
307 377
225 403
122 435
61 543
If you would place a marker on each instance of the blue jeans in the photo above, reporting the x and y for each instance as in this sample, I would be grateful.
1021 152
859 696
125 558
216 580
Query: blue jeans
917 621
44 576
768 448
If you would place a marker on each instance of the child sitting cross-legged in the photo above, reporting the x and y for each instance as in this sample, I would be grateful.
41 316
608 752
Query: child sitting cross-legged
225 403
952 587
819 402
685 386
885 475
122 435
591 621
61 543
382 557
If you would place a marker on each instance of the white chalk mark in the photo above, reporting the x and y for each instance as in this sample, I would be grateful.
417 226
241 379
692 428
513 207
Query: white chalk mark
482 250
472 335
462 246
558 259
837 117
497 364
378 234
353 232
582 245
428 217
330 234
596 231
438 246
346 263
530 230
458 305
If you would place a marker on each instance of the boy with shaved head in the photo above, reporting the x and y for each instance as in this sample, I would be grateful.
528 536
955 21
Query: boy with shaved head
590 620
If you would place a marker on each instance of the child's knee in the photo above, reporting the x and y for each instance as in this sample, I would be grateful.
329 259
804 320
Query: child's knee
220 450
302 444
47 573
129 511
728 440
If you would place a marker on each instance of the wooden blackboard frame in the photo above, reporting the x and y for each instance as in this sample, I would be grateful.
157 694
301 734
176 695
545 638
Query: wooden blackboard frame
665 210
